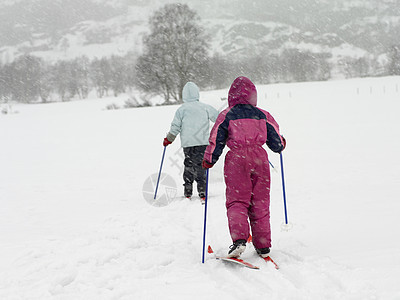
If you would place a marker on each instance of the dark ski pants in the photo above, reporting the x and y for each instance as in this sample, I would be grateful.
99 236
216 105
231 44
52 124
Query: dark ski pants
193 170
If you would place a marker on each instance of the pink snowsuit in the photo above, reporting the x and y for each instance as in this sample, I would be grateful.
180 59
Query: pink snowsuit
245 129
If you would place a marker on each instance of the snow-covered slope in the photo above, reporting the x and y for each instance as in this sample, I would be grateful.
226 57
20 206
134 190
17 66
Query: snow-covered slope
75 223
95 28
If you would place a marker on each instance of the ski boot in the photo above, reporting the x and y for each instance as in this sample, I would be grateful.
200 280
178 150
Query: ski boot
237 248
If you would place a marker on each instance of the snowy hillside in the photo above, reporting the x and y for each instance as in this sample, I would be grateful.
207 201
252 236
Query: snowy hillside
75 223
66 29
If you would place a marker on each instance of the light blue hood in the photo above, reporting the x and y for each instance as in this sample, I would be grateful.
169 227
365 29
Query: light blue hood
190 92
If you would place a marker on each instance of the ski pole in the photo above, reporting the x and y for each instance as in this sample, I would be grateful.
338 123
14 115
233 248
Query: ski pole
205 218
271 165
159 173
273 168
286 225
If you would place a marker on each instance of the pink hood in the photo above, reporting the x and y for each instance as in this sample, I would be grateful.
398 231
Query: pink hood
242 91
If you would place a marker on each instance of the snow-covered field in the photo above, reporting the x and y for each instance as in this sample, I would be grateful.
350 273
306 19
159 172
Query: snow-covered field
75 223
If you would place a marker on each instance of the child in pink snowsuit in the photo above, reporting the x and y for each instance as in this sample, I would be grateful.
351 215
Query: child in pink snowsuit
245 128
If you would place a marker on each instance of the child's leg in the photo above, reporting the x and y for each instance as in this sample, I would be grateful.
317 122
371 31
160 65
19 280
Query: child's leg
238 195
200 176
259 213
188 172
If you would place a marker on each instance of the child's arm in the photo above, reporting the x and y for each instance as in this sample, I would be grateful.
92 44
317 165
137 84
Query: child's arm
212 113
176 126
274 139
217 140
175 129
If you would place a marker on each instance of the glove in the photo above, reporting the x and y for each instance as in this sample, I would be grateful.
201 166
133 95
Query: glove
206 165
284 143
166 142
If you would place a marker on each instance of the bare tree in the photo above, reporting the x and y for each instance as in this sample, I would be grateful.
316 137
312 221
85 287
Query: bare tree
119 74
5 80
24 78
101 75
61 72
394 60
80 68
304 66
175 52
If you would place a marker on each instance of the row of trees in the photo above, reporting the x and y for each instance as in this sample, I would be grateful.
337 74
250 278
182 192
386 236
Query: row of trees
31 79
176 51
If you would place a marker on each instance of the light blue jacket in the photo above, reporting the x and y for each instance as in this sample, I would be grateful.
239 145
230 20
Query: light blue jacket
192 119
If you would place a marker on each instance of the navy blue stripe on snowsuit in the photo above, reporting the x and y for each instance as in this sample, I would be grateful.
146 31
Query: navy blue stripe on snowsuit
245 111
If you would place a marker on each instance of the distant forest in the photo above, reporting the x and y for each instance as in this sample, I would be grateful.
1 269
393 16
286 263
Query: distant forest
30 79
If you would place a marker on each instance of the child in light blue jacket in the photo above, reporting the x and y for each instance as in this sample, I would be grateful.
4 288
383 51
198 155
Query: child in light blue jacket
191 121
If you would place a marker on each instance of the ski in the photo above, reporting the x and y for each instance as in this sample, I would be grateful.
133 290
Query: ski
269 259
266 259
238 261
233 260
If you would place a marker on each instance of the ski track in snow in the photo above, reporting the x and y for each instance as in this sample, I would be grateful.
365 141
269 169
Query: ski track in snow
123 258
80 228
